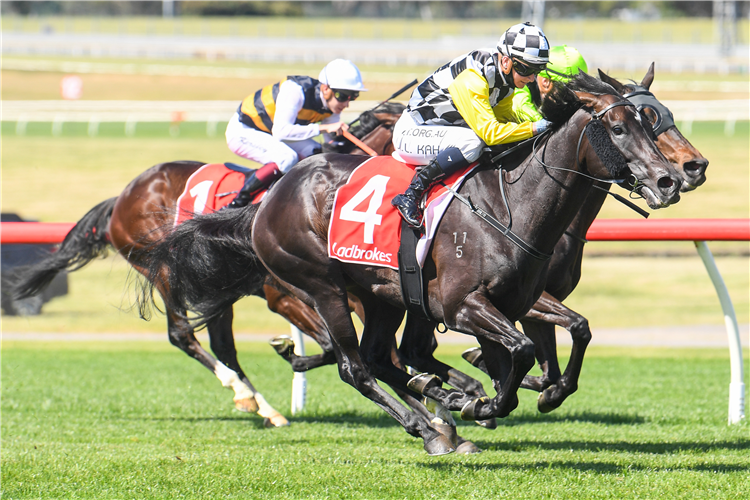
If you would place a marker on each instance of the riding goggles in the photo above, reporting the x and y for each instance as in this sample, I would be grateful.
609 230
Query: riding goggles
525 69
345 95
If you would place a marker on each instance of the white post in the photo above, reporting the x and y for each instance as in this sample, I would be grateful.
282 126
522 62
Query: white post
737 383
533 11
299 383
167 8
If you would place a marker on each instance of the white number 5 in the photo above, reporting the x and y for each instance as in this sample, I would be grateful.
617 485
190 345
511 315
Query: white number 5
375 187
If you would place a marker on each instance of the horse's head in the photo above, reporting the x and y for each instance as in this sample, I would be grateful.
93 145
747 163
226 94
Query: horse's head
648 172
374 128
676 148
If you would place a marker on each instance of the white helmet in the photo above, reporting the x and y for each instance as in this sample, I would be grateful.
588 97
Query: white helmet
526 42
342 74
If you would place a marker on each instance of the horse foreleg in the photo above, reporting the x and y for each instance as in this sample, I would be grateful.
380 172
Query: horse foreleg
508 354
227 369
550 310
418 345
545 350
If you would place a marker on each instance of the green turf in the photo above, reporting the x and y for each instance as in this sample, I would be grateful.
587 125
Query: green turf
140 420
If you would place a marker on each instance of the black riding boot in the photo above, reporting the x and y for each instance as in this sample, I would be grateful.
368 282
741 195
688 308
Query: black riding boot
408 202
252 186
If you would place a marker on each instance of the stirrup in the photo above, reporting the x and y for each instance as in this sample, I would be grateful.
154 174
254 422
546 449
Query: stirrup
412 222
236 203
409 210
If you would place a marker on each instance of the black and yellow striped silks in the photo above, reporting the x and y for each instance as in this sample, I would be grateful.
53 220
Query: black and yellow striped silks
257 110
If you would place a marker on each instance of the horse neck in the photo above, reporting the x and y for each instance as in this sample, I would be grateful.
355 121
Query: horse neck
589 210
380 139
544 202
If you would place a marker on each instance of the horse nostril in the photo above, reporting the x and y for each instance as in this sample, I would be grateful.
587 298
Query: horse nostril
665 183
695 168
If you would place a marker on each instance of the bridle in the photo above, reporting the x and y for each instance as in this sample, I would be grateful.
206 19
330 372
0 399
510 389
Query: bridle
507 230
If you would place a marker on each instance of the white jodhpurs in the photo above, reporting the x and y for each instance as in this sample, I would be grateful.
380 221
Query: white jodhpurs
419 144
262 147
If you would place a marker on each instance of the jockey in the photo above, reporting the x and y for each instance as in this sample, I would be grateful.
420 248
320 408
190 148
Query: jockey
564 63
276 125
464 105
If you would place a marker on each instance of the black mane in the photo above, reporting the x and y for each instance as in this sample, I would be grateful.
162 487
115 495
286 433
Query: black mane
561 103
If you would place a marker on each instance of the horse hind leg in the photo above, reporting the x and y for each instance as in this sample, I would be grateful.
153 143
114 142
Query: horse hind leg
334 309
307 321
227 369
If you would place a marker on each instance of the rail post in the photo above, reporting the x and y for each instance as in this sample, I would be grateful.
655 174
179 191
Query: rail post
736 384
299 382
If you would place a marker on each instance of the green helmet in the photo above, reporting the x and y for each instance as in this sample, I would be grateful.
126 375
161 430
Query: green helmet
564 61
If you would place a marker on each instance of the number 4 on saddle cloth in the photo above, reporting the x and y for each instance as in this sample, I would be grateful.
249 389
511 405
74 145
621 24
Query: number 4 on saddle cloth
366 229
210 188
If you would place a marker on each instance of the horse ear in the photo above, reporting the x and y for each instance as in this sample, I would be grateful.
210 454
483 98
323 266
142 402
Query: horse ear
608 79
649 78
587 99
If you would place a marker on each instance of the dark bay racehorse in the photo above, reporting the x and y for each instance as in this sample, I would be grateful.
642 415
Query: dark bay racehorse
143 213
494 282
565 265
416 350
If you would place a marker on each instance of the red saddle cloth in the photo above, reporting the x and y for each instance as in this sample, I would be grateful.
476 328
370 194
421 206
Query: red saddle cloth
365 228
210 188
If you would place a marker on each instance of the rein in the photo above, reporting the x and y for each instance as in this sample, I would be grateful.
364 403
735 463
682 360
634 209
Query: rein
507 230
621 199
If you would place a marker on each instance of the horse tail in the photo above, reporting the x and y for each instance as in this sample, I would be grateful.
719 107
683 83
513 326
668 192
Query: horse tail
204 265
84 243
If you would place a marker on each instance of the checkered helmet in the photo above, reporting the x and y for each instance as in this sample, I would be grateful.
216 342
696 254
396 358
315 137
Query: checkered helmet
526 42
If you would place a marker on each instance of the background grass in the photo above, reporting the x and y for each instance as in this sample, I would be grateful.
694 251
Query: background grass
672 30
135 420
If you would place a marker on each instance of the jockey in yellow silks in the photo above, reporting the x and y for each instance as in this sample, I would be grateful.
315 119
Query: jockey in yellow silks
275 126
463 106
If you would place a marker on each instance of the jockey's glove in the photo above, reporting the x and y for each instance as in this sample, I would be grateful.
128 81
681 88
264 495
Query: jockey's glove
541 126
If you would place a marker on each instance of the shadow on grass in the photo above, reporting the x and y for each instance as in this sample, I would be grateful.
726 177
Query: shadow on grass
351 419
597 467
617 446
589 417
380 421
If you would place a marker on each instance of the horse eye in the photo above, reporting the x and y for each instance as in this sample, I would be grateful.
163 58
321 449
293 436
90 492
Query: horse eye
618 130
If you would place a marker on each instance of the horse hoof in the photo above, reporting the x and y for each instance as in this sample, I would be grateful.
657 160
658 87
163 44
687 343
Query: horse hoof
424 381
542 404
490 423
441 445
283 344
448 431
248 405
470 409
275 421
473 356
467 448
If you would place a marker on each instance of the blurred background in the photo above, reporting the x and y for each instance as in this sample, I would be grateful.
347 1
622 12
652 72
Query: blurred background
95 92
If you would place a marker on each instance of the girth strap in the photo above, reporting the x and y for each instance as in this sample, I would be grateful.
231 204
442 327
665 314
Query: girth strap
529 249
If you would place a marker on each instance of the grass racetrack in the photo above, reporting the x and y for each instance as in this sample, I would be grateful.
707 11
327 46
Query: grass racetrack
107 419
138 420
